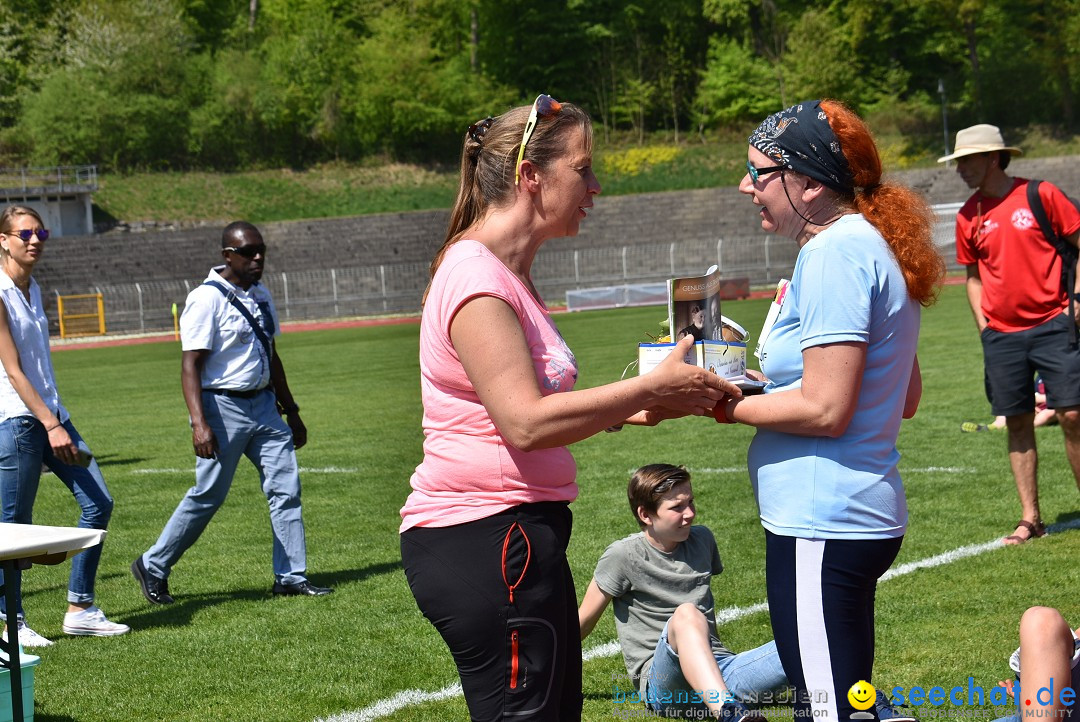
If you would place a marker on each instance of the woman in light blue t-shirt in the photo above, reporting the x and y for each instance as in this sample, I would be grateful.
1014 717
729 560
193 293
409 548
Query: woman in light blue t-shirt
842 371
36 430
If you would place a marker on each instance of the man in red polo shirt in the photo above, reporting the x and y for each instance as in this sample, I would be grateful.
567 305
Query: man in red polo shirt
1021 310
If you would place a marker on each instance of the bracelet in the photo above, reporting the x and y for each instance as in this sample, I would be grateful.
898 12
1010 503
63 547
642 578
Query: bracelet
288 410
57 425
614 428
719 411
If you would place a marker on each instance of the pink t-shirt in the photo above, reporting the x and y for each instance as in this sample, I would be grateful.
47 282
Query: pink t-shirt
469 470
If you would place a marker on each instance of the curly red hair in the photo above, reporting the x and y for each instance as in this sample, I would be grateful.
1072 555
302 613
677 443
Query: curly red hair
899 213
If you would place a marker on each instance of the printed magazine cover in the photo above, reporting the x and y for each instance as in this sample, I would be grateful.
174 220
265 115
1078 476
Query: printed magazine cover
694 307
719 342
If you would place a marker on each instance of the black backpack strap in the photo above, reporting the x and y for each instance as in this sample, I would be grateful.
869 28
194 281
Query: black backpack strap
259 332
1066 250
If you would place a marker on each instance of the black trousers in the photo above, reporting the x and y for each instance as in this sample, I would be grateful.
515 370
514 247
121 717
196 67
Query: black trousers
500 592
821 604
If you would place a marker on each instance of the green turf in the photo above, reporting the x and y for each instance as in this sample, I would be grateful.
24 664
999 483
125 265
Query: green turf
227 650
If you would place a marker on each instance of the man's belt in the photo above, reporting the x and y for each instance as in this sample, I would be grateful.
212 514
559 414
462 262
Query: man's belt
250 394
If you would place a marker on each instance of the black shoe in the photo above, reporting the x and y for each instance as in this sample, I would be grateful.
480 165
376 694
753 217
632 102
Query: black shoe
155 590
888 713
304 588
735 711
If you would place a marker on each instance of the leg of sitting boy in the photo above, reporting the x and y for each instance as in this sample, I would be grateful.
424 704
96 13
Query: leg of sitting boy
688 636
755 675
1046 650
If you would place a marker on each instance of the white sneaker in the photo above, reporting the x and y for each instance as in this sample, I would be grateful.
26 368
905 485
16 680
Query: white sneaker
28 637
91 622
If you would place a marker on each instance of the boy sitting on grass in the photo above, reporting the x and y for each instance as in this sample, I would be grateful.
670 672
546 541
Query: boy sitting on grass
660 581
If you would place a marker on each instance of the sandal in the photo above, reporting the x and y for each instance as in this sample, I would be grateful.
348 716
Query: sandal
1035 529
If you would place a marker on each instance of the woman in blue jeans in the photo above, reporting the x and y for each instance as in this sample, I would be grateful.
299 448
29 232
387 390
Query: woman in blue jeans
35 428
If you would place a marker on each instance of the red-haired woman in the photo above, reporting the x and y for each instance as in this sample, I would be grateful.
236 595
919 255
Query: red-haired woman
842 372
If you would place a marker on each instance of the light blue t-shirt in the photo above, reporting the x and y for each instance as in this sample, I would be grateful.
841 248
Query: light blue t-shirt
847 286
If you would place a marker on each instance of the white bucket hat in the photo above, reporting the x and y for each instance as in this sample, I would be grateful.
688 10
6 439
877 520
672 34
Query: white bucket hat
979 139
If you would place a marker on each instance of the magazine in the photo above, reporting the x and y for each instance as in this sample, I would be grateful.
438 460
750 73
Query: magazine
719 342
694 307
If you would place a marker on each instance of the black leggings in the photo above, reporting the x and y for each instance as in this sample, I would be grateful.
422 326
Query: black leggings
821 603
500 592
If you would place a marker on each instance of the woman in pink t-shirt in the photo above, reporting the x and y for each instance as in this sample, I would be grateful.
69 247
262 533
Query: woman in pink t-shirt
485 529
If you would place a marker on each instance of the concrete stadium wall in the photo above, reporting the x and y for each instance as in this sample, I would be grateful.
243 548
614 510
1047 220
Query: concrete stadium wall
406 241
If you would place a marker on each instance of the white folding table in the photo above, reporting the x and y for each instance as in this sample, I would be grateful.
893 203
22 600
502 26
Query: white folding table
21 545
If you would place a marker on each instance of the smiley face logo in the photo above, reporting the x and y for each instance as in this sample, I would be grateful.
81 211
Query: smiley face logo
862 695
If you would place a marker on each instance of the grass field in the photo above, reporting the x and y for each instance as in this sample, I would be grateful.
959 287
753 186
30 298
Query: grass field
227 650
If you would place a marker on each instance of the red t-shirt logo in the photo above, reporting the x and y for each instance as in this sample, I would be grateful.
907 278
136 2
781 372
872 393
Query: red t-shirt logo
1023 219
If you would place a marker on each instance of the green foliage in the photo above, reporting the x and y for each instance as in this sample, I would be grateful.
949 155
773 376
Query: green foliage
820 62
237 84
119 96
411 101
736 86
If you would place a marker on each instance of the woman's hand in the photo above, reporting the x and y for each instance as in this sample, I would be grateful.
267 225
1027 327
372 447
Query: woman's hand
63 447
654 415
756 375
686 389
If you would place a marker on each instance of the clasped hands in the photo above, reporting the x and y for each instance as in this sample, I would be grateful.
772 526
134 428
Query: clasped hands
684 389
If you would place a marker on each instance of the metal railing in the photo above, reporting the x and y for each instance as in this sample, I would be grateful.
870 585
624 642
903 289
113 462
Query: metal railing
397 288
81 315
52 179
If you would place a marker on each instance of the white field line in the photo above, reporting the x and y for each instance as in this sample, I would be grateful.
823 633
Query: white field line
410 697
919 470
303 470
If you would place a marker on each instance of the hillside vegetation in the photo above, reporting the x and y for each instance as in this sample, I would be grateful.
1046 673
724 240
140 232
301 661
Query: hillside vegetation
342 189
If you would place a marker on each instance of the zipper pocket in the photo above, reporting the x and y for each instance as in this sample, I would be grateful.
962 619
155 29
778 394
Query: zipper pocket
514 638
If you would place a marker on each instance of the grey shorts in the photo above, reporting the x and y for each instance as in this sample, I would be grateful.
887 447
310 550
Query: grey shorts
1012 359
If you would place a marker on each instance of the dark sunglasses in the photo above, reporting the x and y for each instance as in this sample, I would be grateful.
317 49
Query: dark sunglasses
755 173
543 107
25 235
247 251
480 128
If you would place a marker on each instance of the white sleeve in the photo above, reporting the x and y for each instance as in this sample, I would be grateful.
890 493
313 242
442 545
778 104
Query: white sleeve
199 321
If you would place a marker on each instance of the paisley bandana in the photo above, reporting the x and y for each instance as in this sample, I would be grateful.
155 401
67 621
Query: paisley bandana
800 139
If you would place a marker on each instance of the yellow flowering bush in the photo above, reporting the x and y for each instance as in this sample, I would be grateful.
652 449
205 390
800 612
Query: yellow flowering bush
632 161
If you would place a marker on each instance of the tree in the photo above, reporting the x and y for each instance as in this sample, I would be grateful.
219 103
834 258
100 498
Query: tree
413 98
736 86
120 93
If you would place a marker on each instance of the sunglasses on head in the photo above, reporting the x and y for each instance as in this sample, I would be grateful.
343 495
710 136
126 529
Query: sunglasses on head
247 251
543 107
756 173
479 129
26 234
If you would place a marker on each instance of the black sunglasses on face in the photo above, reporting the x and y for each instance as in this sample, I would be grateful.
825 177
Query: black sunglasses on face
755 173
247 251
26 234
